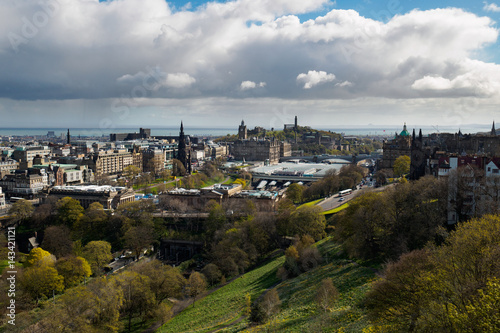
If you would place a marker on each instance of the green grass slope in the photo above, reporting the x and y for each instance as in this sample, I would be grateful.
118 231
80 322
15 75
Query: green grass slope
227 304
299 312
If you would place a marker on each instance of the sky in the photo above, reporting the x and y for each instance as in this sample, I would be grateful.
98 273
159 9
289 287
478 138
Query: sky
152 63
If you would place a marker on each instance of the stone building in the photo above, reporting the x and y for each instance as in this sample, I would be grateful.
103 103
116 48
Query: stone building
112 162
229 195
108 196
2 200
257 150
25 183
399 146
7 166
153 160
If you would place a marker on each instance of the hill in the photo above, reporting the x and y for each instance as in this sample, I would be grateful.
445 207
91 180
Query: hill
224 310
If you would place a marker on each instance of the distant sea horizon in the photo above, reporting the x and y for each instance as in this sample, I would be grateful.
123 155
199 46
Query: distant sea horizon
222 131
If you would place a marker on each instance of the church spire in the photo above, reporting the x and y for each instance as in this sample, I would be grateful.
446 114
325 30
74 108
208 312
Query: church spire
493 131
181 148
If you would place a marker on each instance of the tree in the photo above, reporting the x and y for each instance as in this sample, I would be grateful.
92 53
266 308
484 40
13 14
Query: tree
178 169
164 280
41 279
381 177
57 240
73 269
131 172
69 211
216 218
402 295
36 255
327 294
294 192
98 255
94 220
308 220
21 210
196 285
138 299
268 306
401 166
212 273
138 238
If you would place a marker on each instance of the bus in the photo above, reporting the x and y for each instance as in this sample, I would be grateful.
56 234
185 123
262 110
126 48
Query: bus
345 192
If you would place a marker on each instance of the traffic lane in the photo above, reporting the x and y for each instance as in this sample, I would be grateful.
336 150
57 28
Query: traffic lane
334 202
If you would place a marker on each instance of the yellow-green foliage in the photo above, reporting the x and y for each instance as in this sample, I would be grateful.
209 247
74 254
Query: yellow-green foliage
35 255
336 210
241 181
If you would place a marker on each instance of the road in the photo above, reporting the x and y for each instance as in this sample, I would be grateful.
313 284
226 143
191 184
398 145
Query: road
334 201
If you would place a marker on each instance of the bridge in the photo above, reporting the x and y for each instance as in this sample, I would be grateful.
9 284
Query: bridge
362 158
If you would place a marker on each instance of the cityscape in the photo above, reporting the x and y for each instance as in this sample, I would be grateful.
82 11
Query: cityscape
249 166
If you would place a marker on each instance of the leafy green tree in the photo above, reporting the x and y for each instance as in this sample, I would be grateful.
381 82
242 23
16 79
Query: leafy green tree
196 285
212 273
401 166
138 299
216 218
73 269
90 227
98 254
402 295
308 220
164 280
69 211
294 192
450 288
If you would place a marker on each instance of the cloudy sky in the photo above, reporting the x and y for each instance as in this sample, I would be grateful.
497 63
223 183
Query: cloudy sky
151 63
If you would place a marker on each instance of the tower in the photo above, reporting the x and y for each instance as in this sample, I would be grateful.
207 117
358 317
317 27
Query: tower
242 131
417 156
181 149
493 131
296 124
68 138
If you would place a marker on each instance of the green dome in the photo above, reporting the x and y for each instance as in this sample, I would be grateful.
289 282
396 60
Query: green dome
404 132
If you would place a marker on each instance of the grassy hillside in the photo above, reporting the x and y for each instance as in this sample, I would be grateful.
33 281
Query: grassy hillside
222 310
227 304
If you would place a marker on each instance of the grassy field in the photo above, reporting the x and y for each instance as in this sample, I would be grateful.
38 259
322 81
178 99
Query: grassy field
223 309
299 312
227 304
311 203
336 210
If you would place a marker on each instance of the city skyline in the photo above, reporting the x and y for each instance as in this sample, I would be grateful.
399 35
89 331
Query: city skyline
114 64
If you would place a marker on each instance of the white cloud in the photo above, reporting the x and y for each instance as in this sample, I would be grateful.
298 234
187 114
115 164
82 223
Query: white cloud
179 80
492 7
313 78
245 85
344 84
432 83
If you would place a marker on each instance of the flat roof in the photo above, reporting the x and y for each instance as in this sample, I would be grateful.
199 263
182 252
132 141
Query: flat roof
316 169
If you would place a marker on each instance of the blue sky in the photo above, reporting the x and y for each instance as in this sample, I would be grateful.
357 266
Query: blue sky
121 63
